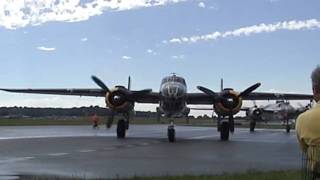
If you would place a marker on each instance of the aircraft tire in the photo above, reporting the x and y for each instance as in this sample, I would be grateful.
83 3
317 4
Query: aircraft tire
224 131
288 128
171 134
127 125
252 126
121 129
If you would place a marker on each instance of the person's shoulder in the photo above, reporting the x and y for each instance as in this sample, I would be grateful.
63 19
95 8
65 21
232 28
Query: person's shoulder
303 115
309 113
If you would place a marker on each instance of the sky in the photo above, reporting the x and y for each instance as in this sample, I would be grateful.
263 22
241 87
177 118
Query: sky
60 44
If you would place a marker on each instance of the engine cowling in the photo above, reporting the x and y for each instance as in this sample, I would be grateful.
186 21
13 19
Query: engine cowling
255 114
117 99
229 103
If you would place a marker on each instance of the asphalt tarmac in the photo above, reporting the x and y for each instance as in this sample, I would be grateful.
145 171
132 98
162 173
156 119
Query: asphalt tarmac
80 151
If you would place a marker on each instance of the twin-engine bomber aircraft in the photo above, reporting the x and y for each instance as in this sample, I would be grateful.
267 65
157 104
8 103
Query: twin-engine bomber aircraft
172 99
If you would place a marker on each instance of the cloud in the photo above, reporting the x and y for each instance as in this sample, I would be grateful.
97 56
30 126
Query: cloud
181 56
152 52
202 5
42 48
250 30
20 13
84 39
273 1
126 57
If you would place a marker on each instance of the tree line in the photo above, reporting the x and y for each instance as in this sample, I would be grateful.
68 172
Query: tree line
75 111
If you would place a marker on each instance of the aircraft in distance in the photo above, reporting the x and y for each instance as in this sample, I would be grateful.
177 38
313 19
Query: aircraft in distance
172 99
281 110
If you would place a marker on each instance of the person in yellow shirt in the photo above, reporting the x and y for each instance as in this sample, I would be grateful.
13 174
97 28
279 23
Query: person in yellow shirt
308 126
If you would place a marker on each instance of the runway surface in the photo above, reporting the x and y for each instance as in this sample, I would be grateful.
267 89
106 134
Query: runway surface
80 151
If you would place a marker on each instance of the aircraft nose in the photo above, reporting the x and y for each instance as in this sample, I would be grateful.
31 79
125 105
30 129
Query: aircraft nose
173 91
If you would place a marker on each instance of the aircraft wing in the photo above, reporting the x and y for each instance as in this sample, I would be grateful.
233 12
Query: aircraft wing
75 92
202 98
203 109
152 97
277 96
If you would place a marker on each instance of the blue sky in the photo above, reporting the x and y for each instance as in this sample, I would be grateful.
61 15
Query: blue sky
39 51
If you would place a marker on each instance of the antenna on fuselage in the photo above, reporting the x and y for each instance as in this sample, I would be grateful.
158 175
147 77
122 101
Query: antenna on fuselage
221 84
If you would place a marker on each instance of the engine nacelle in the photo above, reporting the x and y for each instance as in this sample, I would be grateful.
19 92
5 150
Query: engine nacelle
255 114
229 104
117 99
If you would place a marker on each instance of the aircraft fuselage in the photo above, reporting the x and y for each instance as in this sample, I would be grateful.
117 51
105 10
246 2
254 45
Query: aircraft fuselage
173 94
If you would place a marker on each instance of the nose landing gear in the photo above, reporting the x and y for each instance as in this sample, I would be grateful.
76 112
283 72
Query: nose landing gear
252 126
171 133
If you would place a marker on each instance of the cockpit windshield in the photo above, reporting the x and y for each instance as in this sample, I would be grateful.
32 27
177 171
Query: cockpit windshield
173 79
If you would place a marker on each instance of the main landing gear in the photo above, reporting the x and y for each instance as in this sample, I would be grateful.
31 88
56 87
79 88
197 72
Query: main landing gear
252 126
224 131
288 126
122 125
225 128
121 129
171 133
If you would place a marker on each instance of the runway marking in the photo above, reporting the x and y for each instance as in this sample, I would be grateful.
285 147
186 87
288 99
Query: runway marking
58 154
119 146
130 145
12 160
144 144
155 142
109 148
204 137
9 177
87 150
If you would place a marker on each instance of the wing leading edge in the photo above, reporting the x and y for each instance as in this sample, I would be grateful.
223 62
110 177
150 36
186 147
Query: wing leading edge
201 98
152 97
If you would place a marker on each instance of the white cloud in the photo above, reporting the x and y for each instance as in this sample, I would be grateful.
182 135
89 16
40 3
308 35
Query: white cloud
273 1
84 39
20 13
42 48
126 57
251 30
181 56
201 5
150 51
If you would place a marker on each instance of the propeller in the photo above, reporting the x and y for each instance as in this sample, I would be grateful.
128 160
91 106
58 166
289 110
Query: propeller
249 90
129 95
100 83
219 97
119 96
209 92
215 96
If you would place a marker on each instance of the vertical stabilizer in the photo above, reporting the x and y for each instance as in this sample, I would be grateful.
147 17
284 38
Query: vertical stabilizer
129 83
221 84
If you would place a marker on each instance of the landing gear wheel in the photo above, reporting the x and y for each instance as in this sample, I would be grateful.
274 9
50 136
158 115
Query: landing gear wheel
252 126
288 128
219 127
171 134
224 131
121 129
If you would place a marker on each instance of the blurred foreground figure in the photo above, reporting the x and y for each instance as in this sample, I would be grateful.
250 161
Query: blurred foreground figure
95 121
308 131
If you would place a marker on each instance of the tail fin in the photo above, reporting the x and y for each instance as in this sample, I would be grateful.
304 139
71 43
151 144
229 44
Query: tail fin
221 84
129 83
